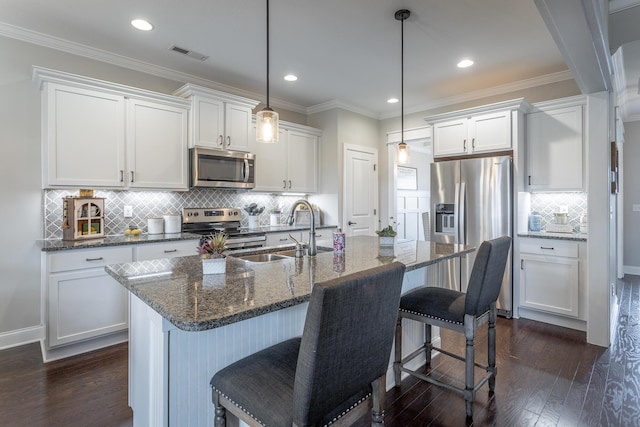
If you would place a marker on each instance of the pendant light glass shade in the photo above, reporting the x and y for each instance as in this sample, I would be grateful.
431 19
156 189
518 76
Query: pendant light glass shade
267 127
403 155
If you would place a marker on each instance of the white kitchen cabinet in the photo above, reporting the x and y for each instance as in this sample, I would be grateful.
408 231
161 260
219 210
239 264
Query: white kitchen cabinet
86 309
157 145
472 135
282 238
85 140
291 164
550 276
554 149
170 249
218 120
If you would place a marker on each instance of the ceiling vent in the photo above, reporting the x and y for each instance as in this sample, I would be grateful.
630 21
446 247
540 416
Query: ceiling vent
189 53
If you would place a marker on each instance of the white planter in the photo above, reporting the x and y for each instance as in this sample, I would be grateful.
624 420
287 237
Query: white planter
386 240
214 266
253 222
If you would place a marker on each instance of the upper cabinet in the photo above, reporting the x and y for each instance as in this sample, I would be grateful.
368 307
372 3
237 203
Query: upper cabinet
475 131
218 120
290 165
555 139
99 134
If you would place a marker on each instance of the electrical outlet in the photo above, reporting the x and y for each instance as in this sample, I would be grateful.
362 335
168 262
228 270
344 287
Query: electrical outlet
128 211
636 208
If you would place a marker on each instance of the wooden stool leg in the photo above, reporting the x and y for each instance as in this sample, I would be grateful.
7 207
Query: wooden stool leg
492 348
397 375
379 393
428 345
469 360
220 411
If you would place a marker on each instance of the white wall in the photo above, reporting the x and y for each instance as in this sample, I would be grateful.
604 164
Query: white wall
631 180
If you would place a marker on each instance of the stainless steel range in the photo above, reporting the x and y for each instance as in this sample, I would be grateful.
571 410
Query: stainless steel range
205 221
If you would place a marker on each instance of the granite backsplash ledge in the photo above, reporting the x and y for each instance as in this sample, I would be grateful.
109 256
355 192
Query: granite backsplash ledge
150 204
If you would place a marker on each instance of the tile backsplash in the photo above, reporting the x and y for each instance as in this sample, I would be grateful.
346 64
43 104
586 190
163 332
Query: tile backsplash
546 204
149 204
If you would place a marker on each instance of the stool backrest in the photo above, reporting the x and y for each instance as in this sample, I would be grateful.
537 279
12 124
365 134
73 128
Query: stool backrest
486 276
347 339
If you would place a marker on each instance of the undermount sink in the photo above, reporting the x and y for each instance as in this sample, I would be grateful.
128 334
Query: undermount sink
292 252
262 257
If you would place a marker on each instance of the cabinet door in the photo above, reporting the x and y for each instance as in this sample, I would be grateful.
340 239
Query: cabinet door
282 238
550 284
237 127
271 163
166 250
208 123
450 138
554 149
302 169
85 304
157 145
490 132
84 137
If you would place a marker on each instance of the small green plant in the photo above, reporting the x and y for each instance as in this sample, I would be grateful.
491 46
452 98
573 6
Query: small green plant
213 245
389 230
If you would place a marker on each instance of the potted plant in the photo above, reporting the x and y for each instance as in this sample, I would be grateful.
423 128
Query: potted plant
211 250
387 234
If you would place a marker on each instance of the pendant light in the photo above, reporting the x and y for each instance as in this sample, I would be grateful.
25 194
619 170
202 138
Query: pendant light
267 127
403 149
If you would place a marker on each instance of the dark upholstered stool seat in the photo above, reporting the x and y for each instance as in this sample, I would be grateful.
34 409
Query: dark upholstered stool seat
328 374
461 312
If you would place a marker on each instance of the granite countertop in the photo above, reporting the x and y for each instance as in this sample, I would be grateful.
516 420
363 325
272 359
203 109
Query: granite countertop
47 245
115 240
177 289
580 237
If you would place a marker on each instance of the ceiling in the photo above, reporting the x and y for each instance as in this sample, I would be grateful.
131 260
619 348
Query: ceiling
345 53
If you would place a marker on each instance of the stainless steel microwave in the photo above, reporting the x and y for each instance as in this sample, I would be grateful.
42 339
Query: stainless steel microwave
221 169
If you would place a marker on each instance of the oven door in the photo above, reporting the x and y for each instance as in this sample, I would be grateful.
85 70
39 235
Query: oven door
221 169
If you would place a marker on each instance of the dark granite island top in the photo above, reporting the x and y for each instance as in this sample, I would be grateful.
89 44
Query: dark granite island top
177 290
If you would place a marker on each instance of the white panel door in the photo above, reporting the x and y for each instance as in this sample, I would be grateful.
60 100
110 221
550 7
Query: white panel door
361 191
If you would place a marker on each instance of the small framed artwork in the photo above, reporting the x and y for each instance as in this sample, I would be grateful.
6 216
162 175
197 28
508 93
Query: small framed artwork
407 178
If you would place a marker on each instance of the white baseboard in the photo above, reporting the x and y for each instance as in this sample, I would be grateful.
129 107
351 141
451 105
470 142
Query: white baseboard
553 319
21 337
630 269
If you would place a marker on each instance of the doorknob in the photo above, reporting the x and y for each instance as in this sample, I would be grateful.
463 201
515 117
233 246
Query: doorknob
351 223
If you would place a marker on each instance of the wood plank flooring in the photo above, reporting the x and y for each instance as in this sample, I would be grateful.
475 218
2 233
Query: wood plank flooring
547 376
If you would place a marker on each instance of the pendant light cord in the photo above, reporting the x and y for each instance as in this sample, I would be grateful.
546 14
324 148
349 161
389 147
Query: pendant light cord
401 81
267 53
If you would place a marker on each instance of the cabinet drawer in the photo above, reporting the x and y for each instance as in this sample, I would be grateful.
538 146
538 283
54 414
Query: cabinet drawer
282 238
166 250
89 258
549 247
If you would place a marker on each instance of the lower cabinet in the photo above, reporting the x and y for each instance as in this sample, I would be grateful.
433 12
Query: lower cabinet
86 309
550 276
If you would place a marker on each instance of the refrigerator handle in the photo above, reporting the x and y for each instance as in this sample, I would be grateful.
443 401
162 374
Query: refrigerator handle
462 207
456 212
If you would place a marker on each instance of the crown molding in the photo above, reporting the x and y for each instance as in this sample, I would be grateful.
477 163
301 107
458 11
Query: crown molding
337 103
619 5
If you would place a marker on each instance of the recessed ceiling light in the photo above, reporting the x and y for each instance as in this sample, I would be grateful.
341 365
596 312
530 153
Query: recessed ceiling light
392 100
465 63
290 78
142 25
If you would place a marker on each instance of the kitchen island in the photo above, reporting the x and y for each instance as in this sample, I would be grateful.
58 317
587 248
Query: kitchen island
184 326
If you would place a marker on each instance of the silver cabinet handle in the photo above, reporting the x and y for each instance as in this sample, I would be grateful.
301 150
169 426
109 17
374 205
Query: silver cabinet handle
283 240
284 184
220 139
529 179
473 144
544 247
521 264
351 223
464 145
131 176
168 251
121 175
289 184
228 141
94 259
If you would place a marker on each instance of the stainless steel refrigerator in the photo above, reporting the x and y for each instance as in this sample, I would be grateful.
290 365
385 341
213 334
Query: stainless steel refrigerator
471 202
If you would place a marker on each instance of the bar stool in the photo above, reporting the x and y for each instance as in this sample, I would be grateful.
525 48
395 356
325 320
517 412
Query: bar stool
461 312
334 373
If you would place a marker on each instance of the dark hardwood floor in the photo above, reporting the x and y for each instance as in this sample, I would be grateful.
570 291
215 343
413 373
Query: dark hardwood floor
547 376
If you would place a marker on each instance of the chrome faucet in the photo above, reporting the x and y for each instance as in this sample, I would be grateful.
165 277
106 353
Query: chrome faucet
312 250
